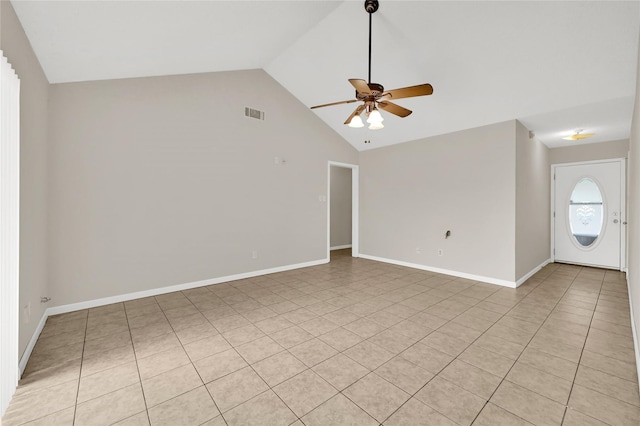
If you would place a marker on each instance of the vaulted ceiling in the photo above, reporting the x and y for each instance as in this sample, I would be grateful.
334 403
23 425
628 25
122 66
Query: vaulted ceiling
557 66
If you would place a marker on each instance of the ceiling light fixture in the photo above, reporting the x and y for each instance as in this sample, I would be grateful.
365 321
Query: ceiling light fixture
578 135
356 121
375 118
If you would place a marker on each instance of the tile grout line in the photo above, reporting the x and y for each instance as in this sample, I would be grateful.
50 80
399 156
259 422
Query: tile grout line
573 383
268 385
421 311
456 357
129 329
190 360
339 392
75 406
425 291
586 337
320 280
396 355
251 366
135 357
56 384
526 346
311 368
307 368
80 373
433 330
115 390
514 361
248 365
199 375
418 341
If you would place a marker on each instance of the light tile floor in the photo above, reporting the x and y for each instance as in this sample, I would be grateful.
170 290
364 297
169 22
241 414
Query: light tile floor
353 342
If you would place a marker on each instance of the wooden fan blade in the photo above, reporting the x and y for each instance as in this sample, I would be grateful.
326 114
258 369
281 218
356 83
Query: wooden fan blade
360 85
408 92
358 111
394 109
335 103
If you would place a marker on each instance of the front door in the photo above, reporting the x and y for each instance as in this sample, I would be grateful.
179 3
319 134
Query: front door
588 213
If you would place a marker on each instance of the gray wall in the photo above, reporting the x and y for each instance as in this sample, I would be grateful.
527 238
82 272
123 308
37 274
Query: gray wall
634 217
412 193
589 152
532 202
163 181
341 206
33 169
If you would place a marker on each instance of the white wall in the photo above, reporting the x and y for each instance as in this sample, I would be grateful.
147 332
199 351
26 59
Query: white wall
341 206
33 169
162 181
633 219
412 193
589 152
532 202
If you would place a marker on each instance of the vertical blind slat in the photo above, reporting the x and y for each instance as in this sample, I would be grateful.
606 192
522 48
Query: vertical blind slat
9 230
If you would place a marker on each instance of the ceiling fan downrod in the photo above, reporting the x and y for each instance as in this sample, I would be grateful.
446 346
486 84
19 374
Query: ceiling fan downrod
373 95
370 6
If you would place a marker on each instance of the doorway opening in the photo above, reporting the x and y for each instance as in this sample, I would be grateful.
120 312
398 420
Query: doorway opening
342 209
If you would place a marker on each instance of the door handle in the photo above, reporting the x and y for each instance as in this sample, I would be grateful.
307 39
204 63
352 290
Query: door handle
615 220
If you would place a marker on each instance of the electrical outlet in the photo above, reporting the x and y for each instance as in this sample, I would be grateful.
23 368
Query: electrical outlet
418 250
254 254
440 252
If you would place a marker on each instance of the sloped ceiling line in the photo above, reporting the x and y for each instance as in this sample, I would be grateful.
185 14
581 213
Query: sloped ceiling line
488 61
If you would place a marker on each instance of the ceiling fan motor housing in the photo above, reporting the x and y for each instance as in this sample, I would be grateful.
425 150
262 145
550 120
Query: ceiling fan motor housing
371 6
376 91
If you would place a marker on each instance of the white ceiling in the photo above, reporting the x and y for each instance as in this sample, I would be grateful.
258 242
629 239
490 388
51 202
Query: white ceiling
557 66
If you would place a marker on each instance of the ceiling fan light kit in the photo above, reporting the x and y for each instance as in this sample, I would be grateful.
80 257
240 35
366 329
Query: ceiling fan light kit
373 95
356 122
375 117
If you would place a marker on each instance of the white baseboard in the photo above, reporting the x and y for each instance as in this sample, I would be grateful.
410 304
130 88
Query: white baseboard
32 343
346 246
634 332
179 287
63 309
481 278
532 272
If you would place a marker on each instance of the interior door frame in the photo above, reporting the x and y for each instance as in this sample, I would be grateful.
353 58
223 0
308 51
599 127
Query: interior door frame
355 207
623 205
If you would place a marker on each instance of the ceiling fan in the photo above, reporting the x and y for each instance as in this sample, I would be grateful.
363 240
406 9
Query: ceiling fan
373 95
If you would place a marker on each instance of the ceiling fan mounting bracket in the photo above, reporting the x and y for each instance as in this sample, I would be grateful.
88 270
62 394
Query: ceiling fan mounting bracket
371 6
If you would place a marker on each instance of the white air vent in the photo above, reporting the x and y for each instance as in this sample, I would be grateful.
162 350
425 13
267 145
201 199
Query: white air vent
253 113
